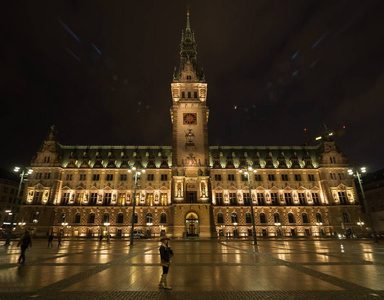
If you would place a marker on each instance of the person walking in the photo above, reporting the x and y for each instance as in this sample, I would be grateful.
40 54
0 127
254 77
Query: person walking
24 242
100 238
59 240
165 254
50 239
108 238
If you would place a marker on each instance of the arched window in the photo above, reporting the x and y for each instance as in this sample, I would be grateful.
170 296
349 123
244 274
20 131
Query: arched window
136 218
319 218
189 95
163 218
262 218
182 94
149 218
77 218
248 218
276 217
305 218
35 217
106 218
220 218
120 218
346 217
91 218
291 218
195 94
234 218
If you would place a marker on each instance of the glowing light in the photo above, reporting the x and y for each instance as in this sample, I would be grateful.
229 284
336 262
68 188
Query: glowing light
318 138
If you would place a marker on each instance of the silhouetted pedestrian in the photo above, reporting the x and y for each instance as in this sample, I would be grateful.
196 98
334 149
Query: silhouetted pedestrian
165 254
24 242
100 238
59 240
50 239
108 238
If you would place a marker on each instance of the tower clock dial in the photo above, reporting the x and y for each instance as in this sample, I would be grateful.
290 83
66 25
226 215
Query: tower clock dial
189 118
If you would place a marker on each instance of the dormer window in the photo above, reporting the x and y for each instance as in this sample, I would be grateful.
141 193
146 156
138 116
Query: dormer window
182 94
189 94
46 159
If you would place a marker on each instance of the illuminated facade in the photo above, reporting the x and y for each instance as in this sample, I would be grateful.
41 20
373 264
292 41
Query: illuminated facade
190 188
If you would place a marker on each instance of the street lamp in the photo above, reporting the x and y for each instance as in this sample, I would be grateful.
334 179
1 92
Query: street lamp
24 173
136 178
319 224
355 173
278 224
360 223
247 172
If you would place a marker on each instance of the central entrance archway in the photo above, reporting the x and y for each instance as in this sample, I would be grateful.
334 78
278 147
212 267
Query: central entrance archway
192 224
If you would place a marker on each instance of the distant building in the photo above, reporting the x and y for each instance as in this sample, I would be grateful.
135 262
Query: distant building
9 184
190 188
373 185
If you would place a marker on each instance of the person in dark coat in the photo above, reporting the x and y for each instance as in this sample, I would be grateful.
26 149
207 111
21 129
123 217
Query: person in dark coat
50 239
58 240
165 254
24 242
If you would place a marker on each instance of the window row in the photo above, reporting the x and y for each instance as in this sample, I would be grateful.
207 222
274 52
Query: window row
189 94
284 199
110 177
43 175
263 219
271 177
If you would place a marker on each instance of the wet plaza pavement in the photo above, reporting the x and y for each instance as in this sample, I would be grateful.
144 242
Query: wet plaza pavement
203 269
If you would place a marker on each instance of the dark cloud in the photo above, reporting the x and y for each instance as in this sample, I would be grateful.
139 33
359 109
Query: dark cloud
285 65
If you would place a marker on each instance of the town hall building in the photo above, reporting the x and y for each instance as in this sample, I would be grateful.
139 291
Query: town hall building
190 188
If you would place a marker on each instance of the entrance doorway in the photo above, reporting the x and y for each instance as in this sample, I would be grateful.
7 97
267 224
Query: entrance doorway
192 224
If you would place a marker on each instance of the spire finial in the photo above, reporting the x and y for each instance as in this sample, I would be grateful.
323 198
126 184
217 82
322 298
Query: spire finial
188 24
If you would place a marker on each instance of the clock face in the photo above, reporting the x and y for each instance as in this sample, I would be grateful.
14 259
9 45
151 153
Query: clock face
189 118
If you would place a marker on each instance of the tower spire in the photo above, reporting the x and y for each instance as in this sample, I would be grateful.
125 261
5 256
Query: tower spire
188 28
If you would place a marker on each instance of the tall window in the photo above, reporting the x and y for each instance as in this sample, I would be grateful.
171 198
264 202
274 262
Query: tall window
182 94
244 177
217 177
120 218
106 218
150 199
77 218
91 218
150 177
346 217
262 218
234 218
149 218
343 198
305 218
109 177
47 175
284 177
69 177
219 199
258 177
315 198
163 218
189 95
231 177
319 218
220 218
291 218
276 218
271 177
247 198
248 218
311 177
93 199
38 197
123 177
302 198
107 198
274 199
163 199
65 199
297 177
232 198
164 177
121 199
260 199
96 177
136 218
288 198
195 94
83 177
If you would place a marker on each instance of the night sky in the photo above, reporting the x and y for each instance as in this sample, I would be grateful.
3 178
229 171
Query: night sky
101 72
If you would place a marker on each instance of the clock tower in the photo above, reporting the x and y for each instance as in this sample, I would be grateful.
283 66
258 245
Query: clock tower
189 112
190 150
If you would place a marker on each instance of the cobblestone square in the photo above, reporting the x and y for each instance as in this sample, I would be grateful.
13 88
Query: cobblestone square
207 269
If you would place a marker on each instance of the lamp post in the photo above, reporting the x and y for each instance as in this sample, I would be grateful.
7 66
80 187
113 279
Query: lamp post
355 172
247 172
360 223
136 178
24 173
319 224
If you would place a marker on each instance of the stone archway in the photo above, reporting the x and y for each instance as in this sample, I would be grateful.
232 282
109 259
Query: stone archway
192 224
